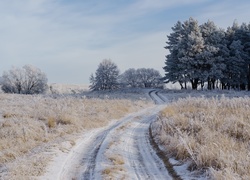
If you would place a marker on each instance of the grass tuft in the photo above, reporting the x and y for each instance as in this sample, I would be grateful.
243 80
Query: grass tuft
51 122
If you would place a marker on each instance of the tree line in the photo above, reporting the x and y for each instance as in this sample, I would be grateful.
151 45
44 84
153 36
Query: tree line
206 55
202 55
31 80
108 77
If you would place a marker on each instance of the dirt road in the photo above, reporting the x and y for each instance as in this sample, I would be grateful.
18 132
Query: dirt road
120 151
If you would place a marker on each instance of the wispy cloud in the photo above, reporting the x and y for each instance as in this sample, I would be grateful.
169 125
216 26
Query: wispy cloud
67 39
224 12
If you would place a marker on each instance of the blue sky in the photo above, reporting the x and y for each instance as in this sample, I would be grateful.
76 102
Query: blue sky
67 39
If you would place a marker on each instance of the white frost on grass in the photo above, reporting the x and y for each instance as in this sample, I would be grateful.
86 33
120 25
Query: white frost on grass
68 159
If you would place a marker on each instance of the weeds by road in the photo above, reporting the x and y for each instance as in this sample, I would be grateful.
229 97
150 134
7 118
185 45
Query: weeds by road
213 134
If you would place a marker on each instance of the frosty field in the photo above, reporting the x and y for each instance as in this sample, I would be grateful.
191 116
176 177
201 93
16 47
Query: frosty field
84 135
34 127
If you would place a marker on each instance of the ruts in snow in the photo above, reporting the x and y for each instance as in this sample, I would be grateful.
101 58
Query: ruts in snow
121 151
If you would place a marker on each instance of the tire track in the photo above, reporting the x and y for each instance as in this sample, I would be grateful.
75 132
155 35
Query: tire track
90 161
154 95
133 143
141 162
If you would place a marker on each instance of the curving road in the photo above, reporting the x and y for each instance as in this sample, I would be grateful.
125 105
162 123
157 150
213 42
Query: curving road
121 151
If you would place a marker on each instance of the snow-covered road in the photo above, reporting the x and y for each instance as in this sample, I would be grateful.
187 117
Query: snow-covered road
120 151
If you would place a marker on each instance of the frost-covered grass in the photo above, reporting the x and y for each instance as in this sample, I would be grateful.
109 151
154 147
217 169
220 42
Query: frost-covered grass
83 91
32 125
126 93
175 94
67 88
212 133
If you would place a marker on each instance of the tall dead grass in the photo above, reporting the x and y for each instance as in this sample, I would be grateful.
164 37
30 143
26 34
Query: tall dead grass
30 123
213 133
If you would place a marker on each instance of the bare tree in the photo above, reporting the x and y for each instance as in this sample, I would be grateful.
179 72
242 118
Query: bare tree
26 80
129 78
106 76
142 77
149 77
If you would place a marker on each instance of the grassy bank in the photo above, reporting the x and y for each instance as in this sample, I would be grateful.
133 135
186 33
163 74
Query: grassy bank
212 133
32 125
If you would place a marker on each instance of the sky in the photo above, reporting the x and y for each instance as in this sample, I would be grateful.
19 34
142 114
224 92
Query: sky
67 39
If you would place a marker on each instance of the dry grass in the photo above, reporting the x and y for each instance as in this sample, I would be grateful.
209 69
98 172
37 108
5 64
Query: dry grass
116 160
115 168
213 133
31 123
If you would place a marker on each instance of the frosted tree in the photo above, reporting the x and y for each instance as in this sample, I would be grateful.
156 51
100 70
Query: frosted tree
236 71
247 50
185 46
190 48
26 80
214 52
142 77
148 77
35 80
242 33
207 54
129 78
106 76
174 70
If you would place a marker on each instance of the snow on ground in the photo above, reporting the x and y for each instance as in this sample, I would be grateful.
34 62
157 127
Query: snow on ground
66 164
121 149
126 152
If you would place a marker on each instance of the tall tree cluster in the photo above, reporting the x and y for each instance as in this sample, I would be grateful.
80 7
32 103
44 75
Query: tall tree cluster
207 55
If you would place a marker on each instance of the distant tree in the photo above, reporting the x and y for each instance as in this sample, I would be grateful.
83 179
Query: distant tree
142 77
106 76
25 80
148 77
129 78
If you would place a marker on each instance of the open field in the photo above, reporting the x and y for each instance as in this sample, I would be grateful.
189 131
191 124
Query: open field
212 135
206 131
31 127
